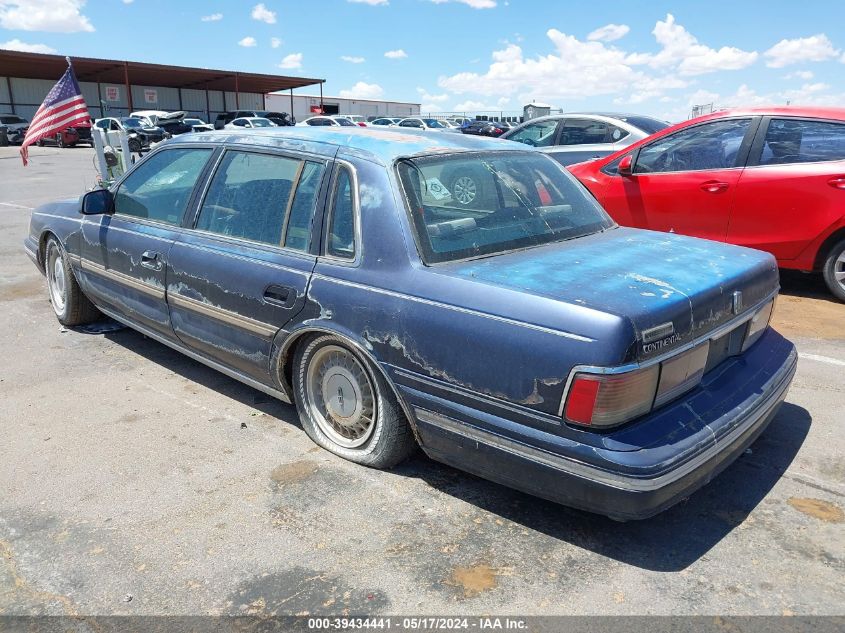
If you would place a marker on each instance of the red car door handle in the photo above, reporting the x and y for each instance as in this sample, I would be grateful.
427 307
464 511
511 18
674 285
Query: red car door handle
837 182
714 186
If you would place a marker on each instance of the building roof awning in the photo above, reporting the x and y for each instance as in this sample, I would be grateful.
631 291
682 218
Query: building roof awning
40 66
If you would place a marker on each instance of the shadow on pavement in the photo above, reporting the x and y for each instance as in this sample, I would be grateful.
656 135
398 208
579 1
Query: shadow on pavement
671 541
808 285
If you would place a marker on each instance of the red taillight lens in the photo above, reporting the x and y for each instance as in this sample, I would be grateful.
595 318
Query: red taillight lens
362 124
602 400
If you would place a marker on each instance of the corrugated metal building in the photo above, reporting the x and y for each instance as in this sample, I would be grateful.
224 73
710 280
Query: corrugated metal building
305 106
116 88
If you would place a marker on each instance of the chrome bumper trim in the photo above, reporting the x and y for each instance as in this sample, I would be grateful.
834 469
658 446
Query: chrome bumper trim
775 390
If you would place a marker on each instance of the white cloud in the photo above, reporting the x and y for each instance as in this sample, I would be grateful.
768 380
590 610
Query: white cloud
214 17
474 106
682 51
609 33
17 45
292 61
425 96
248 42
475 4
397 54
263 14
575 69
370 2
128 1
62 16
816 48
806 75
430 107
363 90
352 59
275 42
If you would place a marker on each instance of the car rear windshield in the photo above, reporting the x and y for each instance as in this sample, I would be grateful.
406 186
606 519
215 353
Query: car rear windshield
11 119
646 123
483 203
345 122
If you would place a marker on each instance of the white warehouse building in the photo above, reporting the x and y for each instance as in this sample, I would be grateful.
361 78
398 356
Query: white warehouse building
304 106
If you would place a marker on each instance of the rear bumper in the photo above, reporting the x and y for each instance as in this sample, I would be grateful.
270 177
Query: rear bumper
628 484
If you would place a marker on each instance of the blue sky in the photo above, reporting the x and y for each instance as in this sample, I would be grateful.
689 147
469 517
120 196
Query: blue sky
650 57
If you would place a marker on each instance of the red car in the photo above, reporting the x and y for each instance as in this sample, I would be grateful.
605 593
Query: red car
767 178
66 138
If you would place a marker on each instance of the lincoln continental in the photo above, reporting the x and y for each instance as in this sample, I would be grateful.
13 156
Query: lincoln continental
462 295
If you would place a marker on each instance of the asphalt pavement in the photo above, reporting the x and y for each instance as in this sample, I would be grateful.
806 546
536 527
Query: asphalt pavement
134 480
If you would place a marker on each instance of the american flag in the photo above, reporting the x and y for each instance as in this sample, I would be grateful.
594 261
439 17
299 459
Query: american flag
63 107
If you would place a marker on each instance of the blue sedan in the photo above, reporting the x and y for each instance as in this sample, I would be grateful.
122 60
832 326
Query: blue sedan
459 294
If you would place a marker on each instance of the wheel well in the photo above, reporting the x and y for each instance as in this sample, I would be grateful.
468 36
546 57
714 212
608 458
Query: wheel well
824 249
42 246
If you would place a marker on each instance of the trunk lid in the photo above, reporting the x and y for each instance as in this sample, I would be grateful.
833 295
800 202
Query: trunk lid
672 288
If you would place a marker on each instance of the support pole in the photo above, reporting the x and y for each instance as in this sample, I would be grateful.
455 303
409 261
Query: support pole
237 93
128 89
207 106
11 96
291 105
321 98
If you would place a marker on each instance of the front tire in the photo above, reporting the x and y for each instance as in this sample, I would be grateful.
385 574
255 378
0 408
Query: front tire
69 303
134 146
60 141
348 408
834 270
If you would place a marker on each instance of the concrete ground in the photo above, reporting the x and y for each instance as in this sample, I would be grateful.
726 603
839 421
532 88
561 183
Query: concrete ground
137 481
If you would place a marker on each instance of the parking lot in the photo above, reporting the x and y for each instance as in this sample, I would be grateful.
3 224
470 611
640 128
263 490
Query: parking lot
137 481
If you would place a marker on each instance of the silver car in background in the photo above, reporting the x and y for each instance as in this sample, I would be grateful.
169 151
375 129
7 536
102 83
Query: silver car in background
582 136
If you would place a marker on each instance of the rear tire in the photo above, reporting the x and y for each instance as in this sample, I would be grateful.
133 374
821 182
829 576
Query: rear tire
347 407
69 303
135 146
834 270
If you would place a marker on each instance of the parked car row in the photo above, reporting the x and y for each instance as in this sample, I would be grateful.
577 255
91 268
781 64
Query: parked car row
280 119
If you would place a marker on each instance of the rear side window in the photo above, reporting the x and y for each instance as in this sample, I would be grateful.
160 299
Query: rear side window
708 146
795 141
341 234
252 194
584 132
160 187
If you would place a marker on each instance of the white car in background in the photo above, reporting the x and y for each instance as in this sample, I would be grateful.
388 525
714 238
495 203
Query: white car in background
357 119
386 121
249 122
327 121
420 123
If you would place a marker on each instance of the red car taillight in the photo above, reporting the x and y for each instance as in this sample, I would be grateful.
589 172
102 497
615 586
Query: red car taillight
601 400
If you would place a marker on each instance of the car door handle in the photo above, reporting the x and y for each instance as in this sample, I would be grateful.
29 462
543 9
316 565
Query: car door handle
714 186
151 260
279 295
837 182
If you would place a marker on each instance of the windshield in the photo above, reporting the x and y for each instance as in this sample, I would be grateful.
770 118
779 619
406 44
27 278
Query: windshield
646 123
433 123
345 122
132 122
261 123
11 119
485 203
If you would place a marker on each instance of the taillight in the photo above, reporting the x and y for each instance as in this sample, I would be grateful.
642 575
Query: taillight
362 124
758 324
602 400
681 373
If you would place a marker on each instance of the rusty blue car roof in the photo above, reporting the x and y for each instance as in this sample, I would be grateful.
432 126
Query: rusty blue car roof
383 145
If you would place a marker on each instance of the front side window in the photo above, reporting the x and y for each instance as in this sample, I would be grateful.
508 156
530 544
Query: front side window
796 141
434 123
484 203
341 234
159 189
540 134
410 123
250 195
708 146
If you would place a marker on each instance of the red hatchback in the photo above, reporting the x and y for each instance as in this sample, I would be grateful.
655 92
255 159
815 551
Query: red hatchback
767 178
